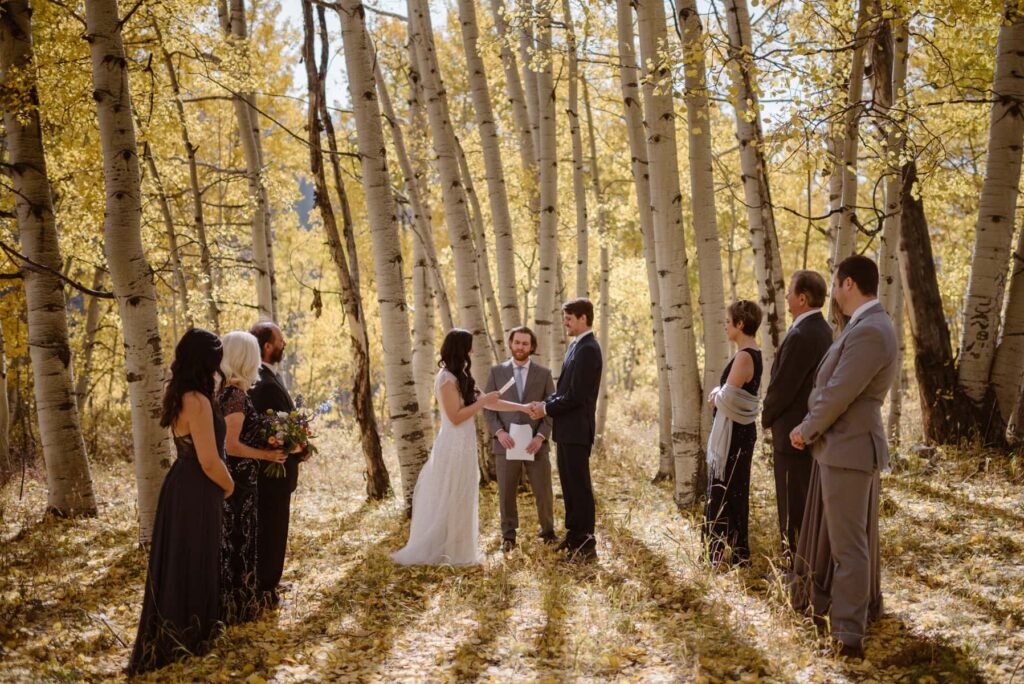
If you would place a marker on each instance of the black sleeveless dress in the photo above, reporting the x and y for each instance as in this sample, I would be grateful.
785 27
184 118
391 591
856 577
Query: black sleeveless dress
182 603
728 501
239 586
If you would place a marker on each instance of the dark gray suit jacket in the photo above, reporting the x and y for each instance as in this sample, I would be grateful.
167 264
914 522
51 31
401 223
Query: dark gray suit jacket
539 384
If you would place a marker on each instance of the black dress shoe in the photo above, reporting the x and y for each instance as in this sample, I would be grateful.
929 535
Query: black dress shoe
507 545
563 545
582 555
549 539
848 650
271 599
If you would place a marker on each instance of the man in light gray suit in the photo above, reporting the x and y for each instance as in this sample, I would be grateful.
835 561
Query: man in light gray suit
844 429
533 382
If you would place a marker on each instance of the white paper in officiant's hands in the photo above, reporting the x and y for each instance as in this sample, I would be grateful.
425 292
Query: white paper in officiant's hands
522 435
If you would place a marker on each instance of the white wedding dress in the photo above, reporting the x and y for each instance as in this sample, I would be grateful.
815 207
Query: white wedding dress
445 504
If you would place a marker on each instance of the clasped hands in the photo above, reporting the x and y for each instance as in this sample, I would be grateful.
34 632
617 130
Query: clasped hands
796 438
534 409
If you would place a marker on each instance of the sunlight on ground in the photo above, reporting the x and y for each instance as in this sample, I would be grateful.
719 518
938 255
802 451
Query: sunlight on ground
70 591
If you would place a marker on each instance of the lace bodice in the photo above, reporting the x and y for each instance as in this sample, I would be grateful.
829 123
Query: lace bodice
446 377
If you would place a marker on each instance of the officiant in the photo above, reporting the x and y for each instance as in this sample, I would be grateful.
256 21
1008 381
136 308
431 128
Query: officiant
527 381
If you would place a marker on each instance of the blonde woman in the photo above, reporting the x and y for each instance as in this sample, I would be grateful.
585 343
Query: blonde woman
239 587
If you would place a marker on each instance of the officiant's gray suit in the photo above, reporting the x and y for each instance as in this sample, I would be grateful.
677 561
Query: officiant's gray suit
846 435
537 385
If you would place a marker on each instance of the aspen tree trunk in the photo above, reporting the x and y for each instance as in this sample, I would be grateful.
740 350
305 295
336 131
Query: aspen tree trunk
471 314
517 97
497 195
198 217
845 240
676 307
702 199
948 414
483 268
423 355
528 50
405 413
994 230
629 82
348 225
771 284
69 483
177 269
604 315
234 25
5 410
423 231
92 325
546 325
130 273
1006 367
378 483
889 72
579 187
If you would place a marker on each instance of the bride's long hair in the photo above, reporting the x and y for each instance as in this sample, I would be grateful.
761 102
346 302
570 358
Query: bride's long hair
455 359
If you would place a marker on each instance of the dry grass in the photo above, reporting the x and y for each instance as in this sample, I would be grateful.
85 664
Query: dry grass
70 591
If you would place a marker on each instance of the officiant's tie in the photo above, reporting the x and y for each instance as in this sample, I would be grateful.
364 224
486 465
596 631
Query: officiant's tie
520 388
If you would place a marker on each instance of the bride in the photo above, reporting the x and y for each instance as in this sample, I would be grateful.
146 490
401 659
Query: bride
445 503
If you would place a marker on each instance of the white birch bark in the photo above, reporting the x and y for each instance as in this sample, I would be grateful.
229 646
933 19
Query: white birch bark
993 237
422 228
130 273
546 325
632 109
579 186
405 413
528 59
423 355
676 306
845 240
604 287
483 269
69 483
5 410
771 285
890 72
234 25
702 202
83 377
497 195
471 314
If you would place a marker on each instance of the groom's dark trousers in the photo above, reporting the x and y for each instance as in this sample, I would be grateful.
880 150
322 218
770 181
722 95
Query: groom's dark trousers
274 497
573 407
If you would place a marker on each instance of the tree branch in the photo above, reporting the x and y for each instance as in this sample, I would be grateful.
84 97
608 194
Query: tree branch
12 254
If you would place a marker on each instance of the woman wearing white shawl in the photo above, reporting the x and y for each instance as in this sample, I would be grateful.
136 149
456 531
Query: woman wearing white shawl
730 448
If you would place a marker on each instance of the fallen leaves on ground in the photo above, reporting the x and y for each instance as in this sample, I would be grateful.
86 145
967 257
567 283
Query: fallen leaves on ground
70 590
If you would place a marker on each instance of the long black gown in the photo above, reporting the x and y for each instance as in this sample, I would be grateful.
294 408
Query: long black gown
182 604
727 508
239 585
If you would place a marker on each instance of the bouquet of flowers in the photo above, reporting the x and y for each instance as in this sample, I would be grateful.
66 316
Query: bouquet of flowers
289 431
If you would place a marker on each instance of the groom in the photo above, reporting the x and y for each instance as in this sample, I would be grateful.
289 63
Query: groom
573 407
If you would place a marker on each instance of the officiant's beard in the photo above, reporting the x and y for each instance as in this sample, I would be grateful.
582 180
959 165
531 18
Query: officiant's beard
521 355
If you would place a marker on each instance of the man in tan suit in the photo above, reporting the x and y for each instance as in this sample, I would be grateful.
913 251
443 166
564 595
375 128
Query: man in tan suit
844 428
533 382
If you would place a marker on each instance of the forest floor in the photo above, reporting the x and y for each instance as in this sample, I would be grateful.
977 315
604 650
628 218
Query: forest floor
650 610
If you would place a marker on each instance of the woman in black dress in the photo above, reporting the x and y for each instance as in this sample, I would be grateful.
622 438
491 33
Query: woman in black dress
727 507
241 368
181 604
